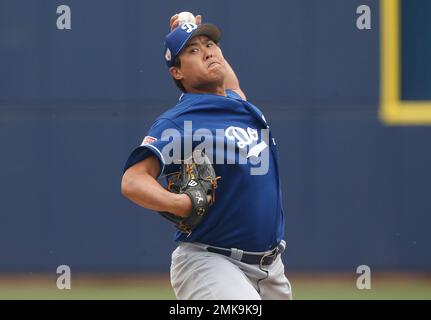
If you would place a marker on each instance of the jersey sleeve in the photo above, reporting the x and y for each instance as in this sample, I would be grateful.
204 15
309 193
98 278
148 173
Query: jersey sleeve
152 145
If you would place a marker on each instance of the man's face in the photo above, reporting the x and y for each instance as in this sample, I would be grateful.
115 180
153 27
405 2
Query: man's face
202 64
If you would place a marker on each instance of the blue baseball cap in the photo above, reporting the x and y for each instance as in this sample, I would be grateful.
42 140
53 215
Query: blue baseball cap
178 38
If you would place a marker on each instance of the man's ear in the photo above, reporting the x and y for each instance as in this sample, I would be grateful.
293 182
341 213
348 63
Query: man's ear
176 73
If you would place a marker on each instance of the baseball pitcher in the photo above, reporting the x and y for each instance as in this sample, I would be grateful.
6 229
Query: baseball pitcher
209 166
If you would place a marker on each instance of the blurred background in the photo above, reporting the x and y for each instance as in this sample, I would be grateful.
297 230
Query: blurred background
75 102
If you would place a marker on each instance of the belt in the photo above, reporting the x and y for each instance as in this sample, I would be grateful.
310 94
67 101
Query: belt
260 258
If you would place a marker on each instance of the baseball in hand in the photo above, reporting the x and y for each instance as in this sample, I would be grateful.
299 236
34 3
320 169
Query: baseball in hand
186 17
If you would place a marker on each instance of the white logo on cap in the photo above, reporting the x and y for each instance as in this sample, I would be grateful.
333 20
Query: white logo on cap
168 55
189 27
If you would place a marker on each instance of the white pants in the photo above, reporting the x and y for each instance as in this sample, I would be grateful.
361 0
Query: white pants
197 274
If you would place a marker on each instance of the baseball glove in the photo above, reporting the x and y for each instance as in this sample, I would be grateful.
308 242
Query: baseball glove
197 179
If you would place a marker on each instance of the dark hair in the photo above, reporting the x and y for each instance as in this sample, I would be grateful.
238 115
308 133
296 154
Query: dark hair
177 63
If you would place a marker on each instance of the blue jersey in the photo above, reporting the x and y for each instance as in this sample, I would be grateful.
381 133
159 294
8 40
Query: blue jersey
247 213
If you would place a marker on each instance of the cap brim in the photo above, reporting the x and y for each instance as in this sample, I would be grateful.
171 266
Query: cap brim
209 30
